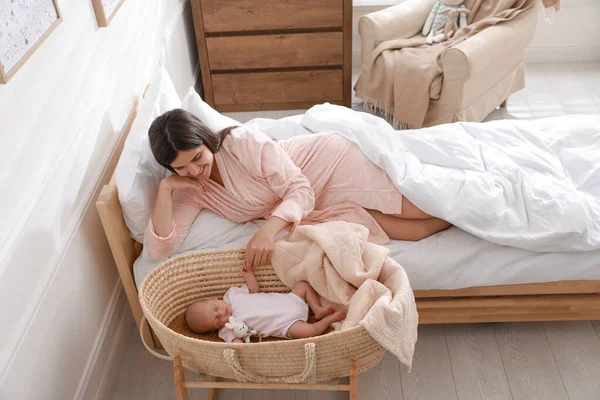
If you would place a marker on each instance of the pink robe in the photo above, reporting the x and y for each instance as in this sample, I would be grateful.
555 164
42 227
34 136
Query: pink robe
307 179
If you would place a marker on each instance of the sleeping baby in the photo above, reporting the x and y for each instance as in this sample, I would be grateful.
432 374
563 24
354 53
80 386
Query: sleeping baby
270 314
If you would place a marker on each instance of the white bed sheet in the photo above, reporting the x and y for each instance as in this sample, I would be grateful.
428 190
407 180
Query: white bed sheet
455 259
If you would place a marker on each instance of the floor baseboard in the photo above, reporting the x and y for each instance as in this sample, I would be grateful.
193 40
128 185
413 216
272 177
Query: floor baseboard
570 53
110 351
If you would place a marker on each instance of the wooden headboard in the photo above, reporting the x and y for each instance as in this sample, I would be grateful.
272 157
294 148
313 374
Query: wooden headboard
124 248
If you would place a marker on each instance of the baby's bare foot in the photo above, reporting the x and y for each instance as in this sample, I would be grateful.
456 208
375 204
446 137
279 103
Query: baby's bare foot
338 316
322 312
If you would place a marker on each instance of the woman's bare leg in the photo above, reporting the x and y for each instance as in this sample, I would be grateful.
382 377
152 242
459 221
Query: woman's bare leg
410 211
408 229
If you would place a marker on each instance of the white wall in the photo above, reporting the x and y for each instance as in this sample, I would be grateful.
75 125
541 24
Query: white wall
574 34
60 117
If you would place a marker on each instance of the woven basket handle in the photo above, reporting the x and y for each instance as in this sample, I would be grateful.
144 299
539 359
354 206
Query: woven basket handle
145 326
309 375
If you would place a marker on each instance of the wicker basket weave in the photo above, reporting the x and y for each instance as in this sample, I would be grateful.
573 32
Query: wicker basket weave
170 288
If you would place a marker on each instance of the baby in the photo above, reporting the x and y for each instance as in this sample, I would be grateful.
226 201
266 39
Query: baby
270 314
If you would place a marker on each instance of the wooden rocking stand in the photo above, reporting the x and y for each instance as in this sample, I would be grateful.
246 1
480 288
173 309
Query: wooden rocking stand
212 383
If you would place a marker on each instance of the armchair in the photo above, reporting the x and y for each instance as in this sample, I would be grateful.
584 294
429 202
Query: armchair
479 73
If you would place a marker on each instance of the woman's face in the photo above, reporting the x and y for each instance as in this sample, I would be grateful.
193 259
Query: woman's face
196 163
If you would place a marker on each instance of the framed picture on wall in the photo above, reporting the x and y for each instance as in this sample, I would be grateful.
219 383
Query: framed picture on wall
105 10
24 26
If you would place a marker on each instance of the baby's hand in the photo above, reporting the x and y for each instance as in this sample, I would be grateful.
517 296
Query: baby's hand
246 272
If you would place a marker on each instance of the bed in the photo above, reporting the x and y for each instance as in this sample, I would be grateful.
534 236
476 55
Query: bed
456 277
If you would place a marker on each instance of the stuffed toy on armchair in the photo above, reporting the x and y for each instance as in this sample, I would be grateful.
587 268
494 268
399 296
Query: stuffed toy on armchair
444 19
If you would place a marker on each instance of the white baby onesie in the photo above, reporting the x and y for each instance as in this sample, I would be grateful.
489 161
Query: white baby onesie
270 314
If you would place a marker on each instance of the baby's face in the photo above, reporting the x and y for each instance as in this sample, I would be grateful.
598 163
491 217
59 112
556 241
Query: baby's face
207 315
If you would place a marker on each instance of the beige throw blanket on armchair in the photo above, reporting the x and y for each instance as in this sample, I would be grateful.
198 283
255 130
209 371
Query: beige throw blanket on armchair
404 72
358 276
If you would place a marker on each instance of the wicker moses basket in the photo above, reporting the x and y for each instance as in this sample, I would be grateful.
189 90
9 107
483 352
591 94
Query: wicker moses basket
170 288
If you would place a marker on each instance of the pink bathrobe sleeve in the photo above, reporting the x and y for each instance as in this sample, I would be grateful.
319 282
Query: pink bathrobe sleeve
285 180
185 211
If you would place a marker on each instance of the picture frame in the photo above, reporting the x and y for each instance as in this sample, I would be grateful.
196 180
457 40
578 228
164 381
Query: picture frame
24 26
106 10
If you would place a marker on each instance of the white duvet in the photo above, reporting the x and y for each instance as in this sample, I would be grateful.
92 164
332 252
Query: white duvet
528 184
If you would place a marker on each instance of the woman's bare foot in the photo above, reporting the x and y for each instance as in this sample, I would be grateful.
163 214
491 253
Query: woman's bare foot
322 312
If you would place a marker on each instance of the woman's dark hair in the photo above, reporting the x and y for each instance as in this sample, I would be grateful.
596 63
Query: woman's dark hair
178 130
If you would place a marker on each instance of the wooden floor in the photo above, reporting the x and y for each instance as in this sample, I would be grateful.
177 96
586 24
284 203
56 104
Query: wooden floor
546 361
521 361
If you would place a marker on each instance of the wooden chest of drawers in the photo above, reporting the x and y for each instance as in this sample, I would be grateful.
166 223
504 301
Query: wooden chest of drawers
274 54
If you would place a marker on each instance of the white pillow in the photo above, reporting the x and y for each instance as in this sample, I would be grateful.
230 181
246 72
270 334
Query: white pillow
277 129
138 174
193 103
280 129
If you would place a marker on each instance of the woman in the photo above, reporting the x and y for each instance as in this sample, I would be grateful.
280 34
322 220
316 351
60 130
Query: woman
244 176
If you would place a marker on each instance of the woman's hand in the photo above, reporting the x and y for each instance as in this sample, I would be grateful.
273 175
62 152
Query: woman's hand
162 215
259 249
176 182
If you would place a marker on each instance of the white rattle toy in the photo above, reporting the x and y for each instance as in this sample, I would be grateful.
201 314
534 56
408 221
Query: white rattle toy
241 330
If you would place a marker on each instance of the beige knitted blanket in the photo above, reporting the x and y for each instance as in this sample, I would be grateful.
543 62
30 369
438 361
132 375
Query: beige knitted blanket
406 72
356 275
